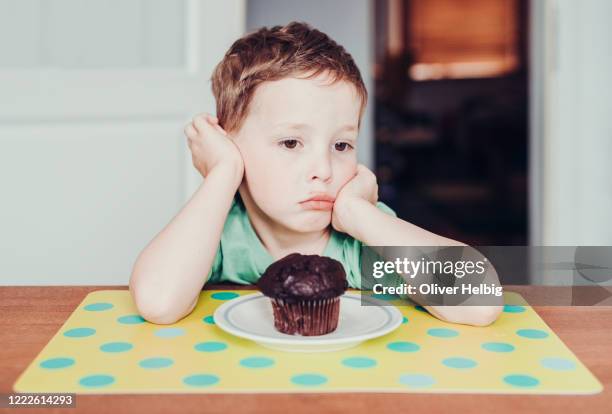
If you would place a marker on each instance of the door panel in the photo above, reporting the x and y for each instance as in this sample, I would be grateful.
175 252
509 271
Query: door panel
94 97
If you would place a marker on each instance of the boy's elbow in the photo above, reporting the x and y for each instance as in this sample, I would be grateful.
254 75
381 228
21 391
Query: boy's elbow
158 315
157 310
483 315
470 315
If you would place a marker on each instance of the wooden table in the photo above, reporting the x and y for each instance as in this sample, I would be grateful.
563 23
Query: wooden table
30 316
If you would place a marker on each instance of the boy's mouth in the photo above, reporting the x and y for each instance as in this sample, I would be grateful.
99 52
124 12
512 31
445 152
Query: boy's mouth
319 202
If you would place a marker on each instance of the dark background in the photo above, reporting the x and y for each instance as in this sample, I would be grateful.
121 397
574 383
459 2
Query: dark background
451 153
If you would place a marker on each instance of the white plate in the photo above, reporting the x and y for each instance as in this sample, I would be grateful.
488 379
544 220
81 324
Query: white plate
250 317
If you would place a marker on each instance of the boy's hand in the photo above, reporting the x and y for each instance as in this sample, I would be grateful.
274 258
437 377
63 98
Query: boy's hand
211 148
362 186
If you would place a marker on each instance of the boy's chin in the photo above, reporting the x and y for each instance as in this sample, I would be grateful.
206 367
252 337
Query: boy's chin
309 226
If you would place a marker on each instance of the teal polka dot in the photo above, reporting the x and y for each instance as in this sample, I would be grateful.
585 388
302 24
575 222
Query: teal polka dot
402 346
201 380
224 295
514 309
169 332
131 319
459 363
116 347
417 380
209 320
405 320
309 379
442 332
359 362
57 363
97 307
532 333
497 347
521 380
156 363
420 308
96 380
558 364
210 346
257 362
79 332
384 296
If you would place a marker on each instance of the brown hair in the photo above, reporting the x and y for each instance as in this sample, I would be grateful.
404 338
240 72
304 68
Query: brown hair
274 53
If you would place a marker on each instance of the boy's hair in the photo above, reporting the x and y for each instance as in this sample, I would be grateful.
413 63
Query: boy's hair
269 54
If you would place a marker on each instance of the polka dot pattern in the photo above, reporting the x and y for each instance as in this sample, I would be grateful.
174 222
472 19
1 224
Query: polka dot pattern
98 307
442 332
359 362
498 347
171 332
514 309
459 362
257 362
558 364
79 332
210 346
93 381
403 346
532 333
156 363
131 319
116 347
518 380
224 295
309 379
109 347
417 380
201 380
57 363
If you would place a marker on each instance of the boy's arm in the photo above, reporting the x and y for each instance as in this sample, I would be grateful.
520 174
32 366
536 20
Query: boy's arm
169 273
365 222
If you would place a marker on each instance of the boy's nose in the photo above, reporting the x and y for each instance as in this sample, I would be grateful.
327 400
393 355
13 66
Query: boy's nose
321 167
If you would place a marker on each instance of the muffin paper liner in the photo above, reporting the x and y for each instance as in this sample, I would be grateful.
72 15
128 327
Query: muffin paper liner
307 318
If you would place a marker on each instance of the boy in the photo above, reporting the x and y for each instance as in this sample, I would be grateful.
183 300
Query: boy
281 176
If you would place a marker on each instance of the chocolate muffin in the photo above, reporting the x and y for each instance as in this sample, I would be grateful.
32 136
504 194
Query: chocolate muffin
305 293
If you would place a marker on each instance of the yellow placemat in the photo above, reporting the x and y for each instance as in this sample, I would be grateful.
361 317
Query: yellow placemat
105 347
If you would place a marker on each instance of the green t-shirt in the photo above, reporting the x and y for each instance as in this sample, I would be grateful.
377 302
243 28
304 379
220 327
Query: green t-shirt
241 257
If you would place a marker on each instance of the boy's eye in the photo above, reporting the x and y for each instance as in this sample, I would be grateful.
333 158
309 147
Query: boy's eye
341 146
293 143
289 143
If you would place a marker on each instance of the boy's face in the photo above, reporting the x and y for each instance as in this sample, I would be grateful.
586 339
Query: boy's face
299 139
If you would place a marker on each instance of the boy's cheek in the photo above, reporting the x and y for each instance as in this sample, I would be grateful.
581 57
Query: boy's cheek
345 182
268 189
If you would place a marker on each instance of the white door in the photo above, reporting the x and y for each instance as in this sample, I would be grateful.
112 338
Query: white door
94 96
